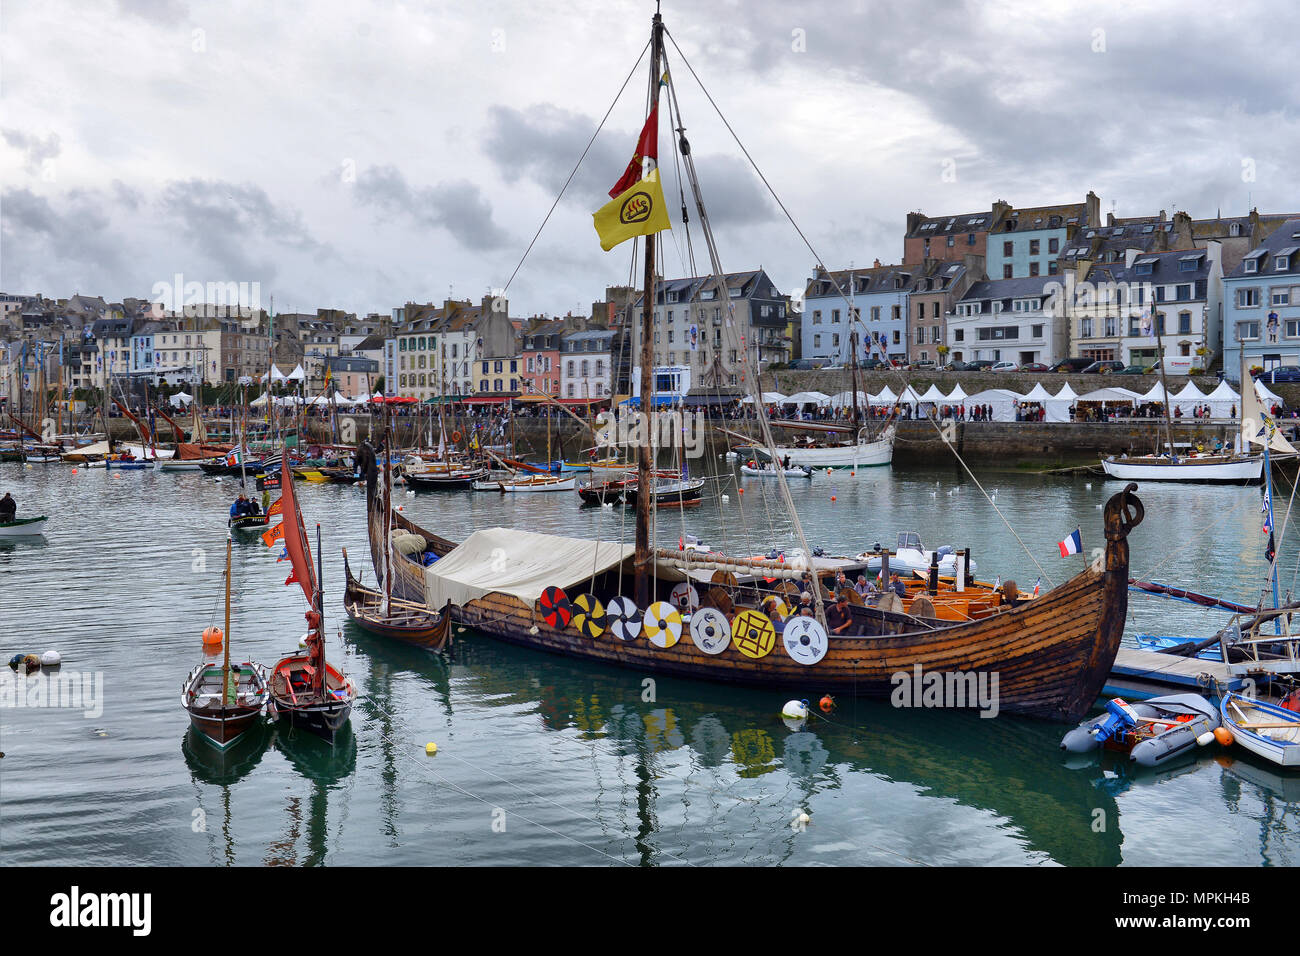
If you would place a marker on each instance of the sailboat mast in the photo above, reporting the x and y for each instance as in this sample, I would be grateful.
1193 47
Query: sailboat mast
225 667
1156 321
641 561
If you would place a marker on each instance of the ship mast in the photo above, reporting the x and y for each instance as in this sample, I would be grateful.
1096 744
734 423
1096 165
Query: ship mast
643 556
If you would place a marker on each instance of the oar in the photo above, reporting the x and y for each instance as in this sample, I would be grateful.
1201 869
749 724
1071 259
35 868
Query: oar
1271 725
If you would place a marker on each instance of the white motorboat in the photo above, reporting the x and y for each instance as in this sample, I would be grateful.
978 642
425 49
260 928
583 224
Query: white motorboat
536 483
1204 469
911 555
23 527
770 472
860 454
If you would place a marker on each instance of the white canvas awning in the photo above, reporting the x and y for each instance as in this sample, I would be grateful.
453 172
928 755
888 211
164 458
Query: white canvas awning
1187 398
1066 394
1265 396
885 396
909 396
958 395
520 563
1155 394
259 401
297 375
275 375
932 394
179 399
769 398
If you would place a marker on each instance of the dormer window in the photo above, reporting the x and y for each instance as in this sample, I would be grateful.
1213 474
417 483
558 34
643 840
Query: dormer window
1235 229
1251 265
1144 267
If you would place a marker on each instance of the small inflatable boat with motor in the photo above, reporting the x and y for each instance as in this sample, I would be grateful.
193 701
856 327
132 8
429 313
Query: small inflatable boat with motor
1152 732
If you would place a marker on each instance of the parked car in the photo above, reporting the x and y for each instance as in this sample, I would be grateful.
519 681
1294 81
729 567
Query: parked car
1004 367
979 365
1071 365
1133 370
871 363
926 366
1282 373
1035 367
956 367
1103 368
806 364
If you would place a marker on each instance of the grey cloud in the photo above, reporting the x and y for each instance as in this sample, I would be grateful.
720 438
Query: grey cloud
237 226
35 150
79 234
457 206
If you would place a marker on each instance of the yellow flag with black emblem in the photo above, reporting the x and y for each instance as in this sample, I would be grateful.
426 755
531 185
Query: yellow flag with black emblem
637 211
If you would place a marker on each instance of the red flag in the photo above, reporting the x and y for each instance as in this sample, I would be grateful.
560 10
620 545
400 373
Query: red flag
646 147
291 579
276 507
272 535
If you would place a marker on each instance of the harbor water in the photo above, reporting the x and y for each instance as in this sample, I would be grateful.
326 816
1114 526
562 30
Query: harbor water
542 760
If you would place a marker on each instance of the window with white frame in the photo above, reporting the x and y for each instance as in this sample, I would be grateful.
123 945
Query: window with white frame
1247 331
1280 297
1247 298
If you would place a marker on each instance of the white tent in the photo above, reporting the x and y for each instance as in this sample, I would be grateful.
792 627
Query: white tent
958 395
1224 401
1187 398
769 398
1155 394
179 399
909 397
845 399
885 396
1061 404
1111 395
1001 401
297 375
1056 408
932 394
341 399
275 375
259 401
808 398
1265 396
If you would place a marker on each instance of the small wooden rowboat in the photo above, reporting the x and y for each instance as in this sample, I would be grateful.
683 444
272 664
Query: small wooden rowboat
1266 730
221 723
404 621
293 700
23 527
249 524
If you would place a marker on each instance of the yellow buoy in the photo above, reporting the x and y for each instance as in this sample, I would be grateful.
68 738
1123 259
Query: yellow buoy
431 748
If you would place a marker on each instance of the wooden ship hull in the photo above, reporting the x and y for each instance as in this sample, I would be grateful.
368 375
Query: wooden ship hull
323 716
408 622
218 724
1051 655
1206 470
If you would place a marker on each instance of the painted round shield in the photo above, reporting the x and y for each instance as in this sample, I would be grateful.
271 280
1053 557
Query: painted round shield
805 639
710 630
623 618
681 592
589 615
556 609
663 624
753 634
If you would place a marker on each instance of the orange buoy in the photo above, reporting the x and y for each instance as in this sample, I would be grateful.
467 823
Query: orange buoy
853 474
213 635
1223 735
832 497
74 471
741 490
828 471
827 704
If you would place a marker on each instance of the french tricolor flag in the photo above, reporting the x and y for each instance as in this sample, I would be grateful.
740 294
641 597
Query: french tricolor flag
1071 545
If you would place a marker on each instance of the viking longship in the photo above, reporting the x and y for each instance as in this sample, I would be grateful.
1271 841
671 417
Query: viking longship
700 614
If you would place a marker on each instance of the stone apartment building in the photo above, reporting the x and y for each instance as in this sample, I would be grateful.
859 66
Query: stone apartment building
1028 242
950 238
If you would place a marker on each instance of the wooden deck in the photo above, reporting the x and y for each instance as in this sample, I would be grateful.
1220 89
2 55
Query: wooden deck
1138 674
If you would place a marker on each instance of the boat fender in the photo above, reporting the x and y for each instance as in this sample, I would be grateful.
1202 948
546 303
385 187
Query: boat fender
795 709
51 659
944 551
1223 736
1205 739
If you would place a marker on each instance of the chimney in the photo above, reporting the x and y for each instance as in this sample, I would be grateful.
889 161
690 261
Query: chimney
877 264
914 219
1092 209
1110 218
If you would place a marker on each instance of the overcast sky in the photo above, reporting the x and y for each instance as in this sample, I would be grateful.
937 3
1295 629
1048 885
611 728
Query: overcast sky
359 155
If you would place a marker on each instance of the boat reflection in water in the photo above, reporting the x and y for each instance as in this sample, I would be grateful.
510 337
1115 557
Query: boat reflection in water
688 759
326 766
223 768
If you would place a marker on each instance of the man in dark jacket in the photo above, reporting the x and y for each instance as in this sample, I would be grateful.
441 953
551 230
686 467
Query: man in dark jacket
8 508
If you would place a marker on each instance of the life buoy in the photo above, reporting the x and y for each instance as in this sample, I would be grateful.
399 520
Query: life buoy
455 436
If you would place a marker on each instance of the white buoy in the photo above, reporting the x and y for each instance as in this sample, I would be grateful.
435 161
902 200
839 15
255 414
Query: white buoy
51 659
797 709
1088 486
726 497
803 817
